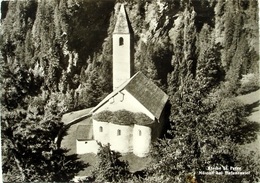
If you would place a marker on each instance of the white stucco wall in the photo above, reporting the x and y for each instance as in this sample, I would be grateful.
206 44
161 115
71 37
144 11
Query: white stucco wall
123 142
121 59
129 141
86 146
141 140
124 100
103 136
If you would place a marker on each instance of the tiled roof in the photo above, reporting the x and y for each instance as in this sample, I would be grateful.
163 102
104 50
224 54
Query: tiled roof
145 91
84 132
148 94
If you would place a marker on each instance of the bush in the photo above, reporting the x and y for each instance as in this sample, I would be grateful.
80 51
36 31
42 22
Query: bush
104 116
110 167
142 119
249 83
123 117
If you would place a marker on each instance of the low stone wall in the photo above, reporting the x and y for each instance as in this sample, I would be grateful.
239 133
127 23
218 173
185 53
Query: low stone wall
86 146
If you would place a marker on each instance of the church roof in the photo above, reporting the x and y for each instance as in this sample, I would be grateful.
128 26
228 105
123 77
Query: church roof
122 24
145 91
84 132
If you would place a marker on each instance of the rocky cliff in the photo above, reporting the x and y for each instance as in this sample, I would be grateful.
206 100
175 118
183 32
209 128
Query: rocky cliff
67 44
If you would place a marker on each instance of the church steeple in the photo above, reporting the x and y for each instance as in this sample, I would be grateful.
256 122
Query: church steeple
122 25
122 49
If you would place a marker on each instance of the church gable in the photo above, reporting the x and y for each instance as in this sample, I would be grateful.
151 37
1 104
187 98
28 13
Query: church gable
147 93
123 100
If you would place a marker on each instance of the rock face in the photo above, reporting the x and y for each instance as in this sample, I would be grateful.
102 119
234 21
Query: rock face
67 43
56 56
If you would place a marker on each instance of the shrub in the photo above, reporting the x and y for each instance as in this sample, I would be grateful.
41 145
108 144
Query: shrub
249 83
142 119
124 117
104 116
110 167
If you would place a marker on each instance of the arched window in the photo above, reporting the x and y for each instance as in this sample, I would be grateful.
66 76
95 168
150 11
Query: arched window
139 132
100 129
121 41
118 132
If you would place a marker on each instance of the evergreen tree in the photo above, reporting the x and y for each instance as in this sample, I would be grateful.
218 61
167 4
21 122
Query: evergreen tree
110 167
29 130
201 138
30 153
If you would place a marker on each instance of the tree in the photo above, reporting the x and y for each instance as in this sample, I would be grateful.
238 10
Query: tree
110 167
206 132
184 51
28 132
209 70
30 150
92 91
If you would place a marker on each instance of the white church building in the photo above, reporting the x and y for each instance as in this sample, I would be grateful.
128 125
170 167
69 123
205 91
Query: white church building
132 116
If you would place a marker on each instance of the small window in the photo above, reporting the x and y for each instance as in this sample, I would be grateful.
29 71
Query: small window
139 132
121 41
100 129
118 132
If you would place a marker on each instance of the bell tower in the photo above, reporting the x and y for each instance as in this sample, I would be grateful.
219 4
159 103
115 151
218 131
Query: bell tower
122 49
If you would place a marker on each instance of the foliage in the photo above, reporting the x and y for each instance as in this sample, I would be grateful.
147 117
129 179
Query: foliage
95 21
142 119
104 116
228 120
92 91
57 55
110 167
249 83
18 82
30 149
206 132
123 117
29 129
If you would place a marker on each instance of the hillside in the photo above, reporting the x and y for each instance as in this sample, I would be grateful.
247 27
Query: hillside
67 46
252 102
56 58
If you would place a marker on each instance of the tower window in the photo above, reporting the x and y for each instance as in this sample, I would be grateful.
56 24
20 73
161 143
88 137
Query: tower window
118 132
100 129
121 41
139 132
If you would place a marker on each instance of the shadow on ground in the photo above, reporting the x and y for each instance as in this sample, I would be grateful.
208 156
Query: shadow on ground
253 107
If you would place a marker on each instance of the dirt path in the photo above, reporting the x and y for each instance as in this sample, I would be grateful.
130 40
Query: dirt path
252 100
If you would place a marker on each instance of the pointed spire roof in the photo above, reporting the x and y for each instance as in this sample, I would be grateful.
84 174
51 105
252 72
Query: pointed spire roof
122 24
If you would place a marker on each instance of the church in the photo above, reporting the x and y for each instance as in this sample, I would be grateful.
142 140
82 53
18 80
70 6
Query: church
131 117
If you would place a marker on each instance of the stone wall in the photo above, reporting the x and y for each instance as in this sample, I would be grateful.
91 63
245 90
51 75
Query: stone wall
86 146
